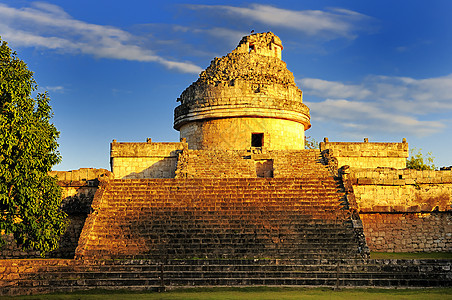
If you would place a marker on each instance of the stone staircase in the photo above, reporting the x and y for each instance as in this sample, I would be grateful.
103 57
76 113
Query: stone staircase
219 218
214 164
299 217
168 233
241 163
20 277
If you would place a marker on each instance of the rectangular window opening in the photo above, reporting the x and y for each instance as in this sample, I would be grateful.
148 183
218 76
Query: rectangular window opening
257 139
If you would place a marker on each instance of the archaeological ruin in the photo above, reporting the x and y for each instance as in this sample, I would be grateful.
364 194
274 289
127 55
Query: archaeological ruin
239 200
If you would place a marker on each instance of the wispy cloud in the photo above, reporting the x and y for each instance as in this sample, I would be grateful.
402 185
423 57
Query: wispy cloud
55 89
332 89
332 23
363 118
382 103
221 33
48 26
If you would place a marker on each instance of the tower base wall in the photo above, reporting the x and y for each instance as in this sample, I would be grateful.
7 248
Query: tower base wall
237 134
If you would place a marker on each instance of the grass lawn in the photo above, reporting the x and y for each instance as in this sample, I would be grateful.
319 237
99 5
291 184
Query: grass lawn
414 255
256 293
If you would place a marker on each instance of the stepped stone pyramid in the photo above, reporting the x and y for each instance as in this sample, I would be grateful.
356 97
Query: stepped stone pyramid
239 185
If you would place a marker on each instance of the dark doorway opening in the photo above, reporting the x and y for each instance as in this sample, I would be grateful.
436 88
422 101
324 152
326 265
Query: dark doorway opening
264 168
257 139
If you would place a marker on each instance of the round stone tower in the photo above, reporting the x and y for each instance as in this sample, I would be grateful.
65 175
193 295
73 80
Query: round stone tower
245 99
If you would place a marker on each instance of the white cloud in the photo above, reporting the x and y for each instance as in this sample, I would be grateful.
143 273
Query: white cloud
331 89
417 96
331 24
48 26
382 103
56 89
363 118
231 36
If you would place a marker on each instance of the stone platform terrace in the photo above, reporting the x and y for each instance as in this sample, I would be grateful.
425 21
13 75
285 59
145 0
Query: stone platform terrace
220 218
25 277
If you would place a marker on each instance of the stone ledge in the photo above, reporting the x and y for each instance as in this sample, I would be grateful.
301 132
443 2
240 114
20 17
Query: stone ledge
195 114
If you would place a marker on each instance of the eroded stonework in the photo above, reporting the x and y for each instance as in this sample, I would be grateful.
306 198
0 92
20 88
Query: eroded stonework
251 85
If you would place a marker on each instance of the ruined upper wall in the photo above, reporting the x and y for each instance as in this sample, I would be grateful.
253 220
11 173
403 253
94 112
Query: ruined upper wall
82 174
368 155
251 81
144 160
387 190
265 43
404 210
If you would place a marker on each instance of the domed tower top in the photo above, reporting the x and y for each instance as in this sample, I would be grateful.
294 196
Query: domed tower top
245 96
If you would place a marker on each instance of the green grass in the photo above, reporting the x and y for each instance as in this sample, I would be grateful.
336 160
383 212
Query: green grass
414 255
256 293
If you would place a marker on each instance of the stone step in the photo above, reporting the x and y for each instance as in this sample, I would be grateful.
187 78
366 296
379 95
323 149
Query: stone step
254 217
140 284
93 278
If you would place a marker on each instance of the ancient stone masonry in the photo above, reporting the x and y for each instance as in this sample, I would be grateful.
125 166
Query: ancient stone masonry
78 187
27 277
215 164
10 249
251 163
248 91
144 160
219 218
405 210
402 210
368 155
239 201
220 209
387 190
408 232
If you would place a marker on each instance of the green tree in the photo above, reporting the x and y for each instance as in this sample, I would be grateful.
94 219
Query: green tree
29 198
310 143
418 161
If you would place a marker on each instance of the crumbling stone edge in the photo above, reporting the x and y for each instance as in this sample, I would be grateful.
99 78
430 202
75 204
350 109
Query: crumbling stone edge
342 174
358 227
91 219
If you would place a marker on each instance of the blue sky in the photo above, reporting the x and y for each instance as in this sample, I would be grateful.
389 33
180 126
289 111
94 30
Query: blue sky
114 69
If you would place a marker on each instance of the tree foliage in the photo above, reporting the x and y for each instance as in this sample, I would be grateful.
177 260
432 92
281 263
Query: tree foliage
418 161
29 198
310 143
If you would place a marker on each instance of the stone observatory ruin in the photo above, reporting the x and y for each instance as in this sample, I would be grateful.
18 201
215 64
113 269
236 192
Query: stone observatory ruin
240 184
239 200
246 99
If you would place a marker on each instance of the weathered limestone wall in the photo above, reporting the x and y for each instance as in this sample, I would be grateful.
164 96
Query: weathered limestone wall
78 190
83 174
45 276
214 164
296 163
405 210
386 190
10 249
249 90
235 133
408 232
266 44
249 163
368 155
144 160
